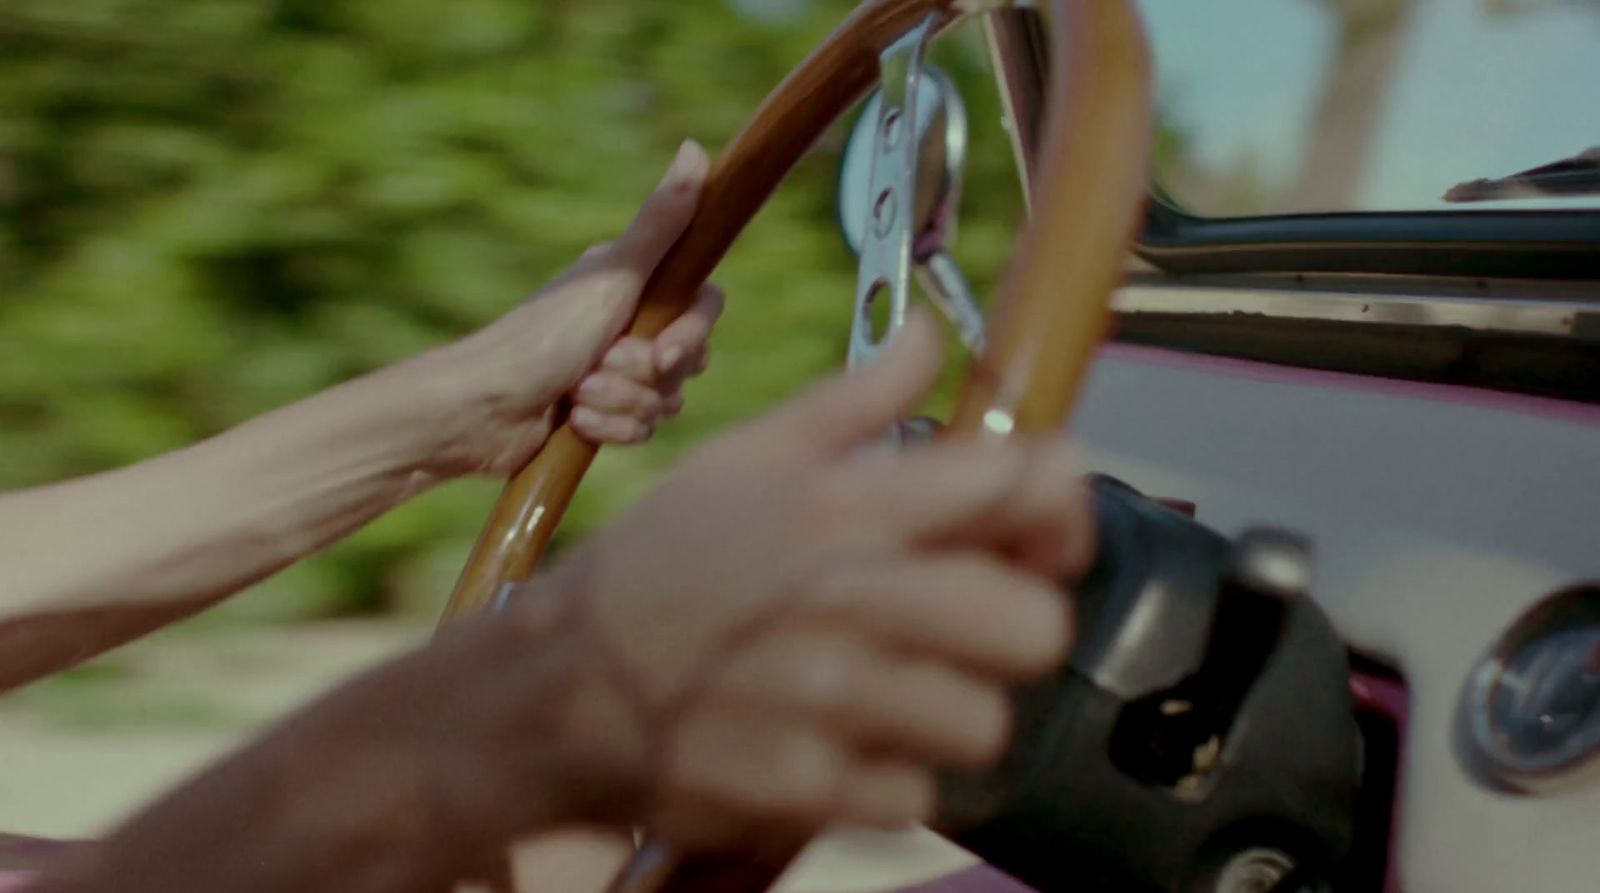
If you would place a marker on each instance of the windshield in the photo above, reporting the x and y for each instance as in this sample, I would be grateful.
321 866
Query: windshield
1305 106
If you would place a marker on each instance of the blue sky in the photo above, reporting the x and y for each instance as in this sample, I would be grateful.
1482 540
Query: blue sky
1478 96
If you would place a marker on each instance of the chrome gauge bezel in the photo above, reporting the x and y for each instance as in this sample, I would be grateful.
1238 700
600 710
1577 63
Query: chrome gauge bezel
1485 744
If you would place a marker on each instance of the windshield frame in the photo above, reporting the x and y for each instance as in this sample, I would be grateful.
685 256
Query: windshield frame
1558 244
1543 245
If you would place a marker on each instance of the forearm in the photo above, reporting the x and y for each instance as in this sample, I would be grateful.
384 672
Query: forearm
401 781
88 564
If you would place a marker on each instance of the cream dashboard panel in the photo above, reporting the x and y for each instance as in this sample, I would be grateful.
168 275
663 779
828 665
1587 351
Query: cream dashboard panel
1439 514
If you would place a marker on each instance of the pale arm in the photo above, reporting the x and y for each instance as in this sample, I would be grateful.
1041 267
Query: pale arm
89 564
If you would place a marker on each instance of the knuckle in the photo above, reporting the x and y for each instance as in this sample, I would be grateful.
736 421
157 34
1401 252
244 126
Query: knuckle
827 594
633 344
1037 622
804 773
661 398
620 431
893 795
992 720
613 284
821 675
596 391
642 410
685 771
639 361
829 502
648 404
1084 544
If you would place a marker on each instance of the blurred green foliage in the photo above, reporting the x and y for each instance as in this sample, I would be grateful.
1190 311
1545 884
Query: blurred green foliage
209 208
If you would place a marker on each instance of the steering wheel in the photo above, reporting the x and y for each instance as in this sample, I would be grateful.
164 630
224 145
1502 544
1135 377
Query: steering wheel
1043 329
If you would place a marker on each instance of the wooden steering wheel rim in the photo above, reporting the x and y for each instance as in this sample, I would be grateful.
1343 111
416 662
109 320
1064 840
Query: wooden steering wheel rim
1044 327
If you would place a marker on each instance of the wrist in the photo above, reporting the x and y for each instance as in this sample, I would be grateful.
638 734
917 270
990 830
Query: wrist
510 727
481 398
420 401
600 727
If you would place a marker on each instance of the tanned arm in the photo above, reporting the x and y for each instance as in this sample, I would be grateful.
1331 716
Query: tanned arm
406 779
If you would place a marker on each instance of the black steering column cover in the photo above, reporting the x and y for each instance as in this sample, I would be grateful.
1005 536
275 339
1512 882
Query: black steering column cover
1199 718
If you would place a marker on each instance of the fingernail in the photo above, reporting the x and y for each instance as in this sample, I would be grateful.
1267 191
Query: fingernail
585 417
670 358
682 173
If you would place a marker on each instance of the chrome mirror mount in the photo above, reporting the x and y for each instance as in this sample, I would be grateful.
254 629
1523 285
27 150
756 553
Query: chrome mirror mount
899 197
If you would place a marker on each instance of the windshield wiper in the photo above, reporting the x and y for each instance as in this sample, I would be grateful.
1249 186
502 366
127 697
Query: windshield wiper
1578 175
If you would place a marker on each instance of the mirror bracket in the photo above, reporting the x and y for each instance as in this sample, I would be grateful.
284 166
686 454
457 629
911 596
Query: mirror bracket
885 250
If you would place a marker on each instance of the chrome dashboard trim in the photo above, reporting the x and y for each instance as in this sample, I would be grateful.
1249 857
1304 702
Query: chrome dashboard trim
1554 312
1511 336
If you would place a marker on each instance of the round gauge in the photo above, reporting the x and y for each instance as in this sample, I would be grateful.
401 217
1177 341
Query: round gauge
1531 711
